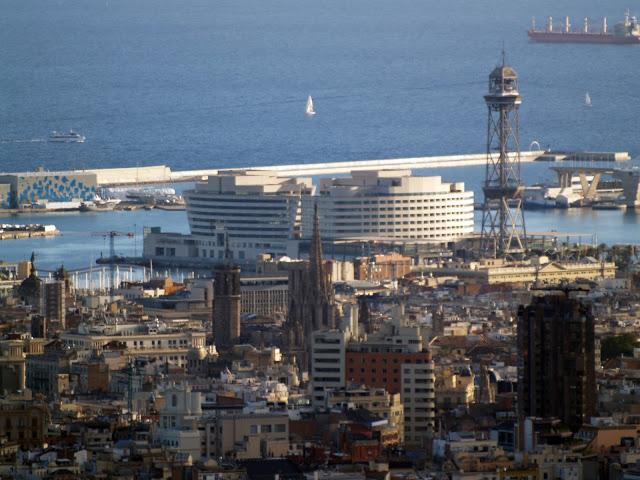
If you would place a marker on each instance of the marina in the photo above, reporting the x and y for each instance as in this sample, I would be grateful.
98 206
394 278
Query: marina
611 226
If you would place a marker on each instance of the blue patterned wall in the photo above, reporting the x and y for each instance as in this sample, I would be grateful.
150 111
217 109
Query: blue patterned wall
6 196
54 187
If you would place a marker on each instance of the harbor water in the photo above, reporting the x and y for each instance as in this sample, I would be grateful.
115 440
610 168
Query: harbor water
82 238
201 84
196 84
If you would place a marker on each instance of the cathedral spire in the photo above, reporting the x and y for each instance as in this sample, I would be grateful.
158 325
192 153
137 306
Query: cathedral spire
316 264
315 252
227 249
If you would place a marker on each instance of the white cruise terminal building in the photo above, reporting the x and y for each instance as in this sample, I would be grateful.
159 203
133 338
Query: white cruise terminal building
261 212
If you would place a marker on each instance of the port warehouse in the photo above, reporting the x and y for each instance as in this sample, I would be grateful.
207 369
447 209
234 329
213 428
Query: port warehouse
17 189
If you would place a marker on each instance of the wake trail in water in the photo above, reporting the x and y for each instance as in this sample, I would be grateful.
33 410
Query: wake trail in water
32 140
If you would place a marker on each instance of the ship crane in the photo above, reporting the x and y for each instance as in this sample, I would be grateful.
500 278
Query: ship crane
111 235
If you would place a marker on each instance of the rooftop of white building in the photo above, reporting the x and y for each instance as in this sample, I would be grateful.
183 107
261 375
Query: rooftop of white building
389 181
254 182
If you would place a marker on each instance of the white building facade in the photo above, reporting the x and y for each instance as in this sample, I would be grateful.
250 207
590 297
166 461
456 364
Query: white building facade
391 205
419 400
169 347
328 370
262 213
180 415
259 211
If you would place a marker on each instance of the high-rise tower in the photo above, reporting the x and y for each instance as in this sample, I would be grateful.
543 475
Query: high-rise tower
556 359
226 301
503 230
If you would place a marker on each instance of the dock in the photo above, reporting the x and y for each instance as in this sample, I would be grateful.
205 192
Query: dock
23 190
155 174
332 168
585 157
163 174
17 232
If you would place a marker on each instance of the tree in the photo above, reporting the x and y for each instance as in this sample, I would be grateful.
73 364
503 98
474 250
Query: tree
612 347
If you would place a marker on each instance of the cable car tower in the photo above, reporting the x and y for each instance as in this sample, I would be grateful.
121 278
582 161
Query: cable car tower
503 230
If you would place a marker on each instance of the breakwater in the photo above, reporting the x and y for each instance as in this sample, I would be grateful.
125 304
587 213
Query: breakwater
164 174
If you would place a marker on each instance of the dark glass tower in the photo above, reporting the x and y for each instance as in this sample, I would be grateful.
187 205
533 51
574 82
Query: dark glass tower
556 361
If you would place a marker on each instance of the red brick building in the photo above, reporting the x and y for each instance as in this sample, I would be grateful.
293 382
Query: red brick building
381 369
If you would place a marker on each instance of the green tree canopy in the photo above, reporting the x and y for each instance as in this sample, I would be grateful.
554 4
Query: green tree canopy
617 345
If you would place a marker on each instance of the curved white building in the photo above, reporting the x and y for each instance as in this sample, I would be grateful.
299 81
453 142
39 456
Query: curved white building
263 213
260 213
390 205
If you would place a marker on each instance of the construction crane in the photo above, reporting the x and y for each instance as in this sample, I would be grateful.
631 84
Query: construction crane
111 235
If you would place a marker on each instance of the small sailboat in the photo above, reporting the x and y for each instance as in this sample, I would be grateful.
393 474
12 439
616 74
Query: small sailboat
310 110
587 100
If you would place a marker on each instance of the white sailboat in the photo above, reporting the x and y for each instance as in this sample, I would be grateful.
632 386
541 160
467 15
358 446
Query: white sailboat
587 100
310 110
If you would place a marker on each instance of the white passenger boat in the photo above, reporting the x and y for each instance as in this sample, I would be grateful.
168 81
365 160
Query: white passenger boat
70 137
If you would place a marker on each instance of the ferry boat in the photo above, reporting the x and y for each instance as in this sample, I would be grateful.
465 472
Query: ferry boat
624 32
70 137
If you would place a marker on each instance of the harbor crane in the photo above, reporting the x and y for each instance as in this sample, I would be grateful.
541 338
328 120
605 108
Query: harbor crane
111 235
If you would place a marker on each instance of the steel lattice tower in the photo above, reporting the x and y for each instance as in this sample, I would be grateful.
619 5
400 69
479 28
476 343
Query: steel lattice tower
503 231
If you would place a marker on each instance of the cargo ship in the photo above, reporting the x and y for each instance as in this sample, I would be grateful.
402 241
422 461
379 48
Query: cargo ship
624 32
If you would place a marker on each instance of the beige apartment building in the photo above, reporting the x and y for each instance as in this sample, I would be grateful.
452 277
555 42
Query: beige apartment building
170 347
247 435
496 271
379 402
453 390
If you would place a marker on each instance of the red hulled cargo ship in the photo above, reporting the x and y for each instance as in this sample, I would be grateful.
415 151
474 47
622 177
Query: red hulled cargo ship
625 32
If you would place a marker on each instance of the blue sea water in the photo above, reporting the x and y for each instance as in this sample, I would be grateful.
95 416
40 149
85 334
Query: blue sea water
202 83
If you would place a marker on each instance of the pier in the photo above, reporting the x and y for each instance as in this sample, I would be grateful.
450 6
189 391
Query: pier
629 179
589 186
16 232
51 188
163 174
331 168
155 174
